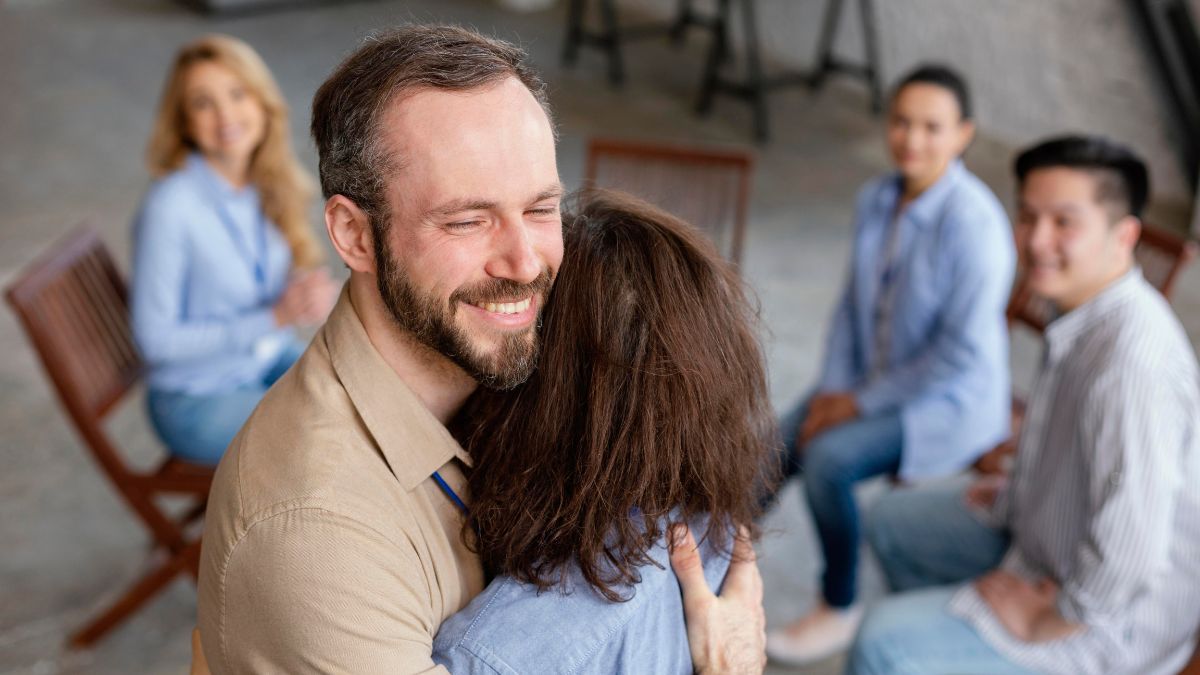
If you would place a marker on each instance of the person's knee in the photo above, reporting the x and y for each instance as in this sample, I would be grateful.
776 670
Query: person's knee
826 463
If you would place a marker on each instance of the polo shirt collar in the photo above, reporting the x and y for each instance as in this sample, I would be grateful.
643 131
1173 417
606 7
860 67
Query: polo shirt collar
413 442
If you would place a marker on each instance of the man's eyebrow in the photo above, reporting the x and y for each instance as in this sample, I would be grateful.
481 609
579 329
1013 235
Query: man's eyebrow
555 190
1066 207
460 205
470 204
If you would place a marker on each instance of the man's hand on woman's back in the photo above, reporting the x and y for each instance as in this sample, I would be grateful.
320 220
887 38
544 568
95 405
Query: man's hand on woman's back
726 632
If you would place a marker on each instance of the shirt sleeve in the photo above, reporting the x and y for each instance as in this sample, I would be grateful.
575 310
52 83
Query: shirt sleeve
979 285
160 262
1134 432
838 372
311 591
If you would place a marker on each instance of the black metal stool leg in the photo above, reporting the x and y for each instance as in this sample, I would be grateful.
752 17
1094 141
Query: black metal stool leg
824 61
575 12
684 17
754 72
717 53
867 11
612 42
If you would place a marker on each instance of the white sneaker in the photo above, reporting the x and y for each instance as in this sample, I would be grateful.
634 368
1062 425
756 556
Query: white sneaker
822 633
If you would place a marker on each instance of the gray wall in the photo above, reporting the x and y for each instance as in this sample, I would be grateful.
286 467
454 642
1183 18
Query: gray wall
1038 67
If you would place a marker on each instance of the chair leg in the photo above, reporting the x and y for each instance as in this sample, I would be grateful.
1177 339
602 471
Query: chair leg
717 53
147 587
754 73
575 12
612 42
867 14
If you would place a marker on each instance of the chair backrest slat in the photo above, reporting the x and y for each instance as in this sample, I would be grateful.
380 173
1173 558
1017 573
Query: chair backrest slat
709 188
73 306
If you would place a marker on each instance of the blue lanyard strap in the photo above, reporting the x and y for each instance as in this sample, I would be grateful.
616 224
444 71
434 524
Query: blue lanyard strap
256 259
437 477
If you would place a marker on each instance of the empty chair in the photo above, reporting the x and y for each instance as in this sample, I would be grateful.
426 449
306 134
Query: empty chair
72 304
707 187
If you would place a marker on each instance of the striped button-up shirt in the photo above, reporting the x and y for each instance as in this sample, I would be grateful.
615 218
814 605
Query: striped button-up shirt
1104 498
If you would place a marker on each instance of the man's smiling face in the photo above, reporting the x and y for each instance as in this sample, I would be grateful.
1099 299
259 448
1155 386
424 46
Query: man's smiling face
474 235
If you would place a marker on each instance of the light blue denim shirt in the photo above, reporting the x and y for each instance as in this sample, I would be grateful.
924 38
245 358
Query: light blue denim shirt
512 629
201 316
947 372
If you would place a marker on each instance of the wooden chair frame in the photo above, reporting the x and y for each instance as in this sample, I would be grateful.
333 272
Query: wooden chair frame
738 160
77 285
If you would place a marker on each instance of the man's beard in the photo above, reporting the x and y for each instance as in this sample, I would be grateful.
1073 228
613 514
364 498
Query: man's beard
432 323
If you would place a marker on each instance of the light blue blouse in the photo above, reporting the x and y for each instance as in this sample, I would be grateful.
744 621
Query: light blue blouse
512 629
207 270
947 371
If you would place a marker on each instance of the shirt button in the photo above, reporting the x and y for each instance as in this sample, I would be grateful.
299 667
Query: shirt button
1115 479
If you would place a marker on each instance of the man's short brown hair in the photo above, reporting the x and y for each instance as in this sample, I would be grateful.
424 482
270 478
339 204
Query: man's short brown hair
347 108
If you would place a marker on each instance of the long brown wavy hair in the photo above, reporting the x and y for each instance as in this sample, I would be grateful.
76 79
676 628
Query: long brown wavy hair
285 188
648 407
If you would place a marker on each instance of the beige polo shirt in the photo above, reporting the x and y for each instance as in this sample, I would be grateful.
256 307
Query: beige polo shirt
327 546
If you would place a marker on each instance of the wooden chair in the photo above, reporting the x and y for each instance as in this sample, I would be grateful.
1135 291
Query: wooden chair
1193 665
1161 253
707 187
73 306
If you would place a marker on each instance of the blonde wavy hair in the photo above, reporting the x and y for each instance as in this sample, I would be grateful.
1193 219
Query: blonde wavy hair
284 187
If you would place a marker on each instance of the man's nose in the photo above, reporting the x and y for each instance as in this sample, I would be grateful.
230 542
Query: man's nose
514 256
1040 237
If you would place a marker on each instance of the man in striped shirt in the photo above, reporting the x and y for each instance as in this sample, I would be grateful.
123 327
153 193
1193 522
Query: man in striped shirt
1101 517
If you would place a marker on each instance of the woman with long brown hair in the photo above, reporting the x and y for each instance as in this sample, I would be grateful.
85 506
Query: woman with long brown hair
225 261
648 409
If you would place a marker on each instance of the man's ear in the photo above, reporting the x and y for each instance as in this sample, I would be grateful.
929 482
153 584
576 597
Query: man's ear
349 230
1128 230
966 134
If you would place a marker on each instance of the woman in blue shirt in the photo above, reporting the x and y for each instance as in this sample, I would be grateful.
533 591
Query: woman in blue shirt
225 263
648 408
915 380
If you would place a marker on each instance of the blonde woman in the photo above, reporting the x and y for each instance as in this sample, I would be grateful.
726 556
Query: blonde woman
225 262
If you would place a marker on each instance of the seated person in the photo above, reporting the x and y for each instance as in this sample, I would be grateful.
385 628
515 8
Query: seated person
1101 509
915 380
225 263
648 408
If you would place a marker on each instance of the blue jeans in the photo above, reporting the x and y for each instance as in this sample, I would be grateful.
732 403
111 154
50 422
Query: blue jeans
198 428
927 536
913 634
832 463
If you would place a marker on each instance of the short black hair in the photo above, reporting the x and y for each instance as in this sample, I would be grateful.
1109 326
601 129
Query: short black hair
941 76
1121 176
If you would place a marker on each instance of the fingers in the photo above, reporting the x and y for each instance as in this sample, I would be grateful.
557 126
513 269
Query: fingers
743 579
685 560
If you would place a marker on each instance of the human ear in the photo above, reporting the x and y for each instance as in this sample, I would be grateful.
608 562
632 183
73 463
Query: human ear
349 230
1128 230
966 133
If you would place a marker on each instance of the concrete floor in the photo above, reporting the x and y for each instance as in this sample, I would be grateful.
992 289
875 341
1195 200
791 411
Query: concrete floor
81 80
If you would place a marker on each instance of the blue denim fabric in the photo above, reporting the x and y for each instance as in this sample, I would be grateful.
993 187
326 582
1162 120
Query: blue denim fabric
832 464
927 536
198 428
913 634
511 628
